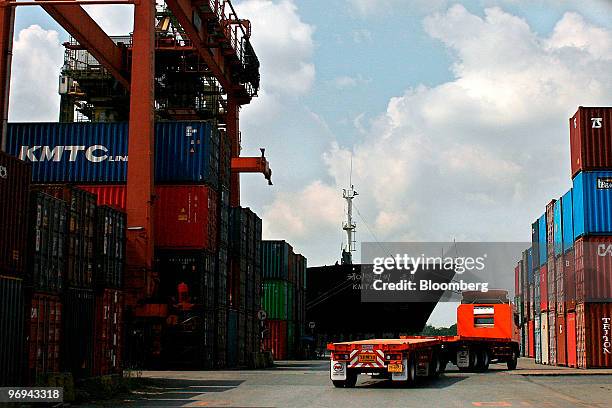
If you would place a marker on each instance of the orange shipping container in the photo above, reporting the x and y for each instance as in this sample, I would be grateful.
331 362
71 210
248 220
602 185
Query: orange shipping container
531 333
593 324
593 257
543 288
561 340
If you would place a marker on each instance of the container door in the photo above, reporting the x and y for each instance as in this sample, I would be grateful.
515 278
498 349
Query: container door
561 340
544 338
531 341
570 343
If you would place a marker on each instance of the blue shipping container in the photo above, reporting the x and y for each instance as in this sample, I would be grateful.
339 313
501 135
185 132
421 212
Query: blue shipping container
558 228
568 221
592 203
98 152
542 240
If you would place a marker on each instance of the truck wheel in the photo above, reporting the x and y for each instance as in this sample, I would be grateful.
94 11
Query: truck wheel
473 362
338 383
412 372
435 366
483 360
513 361
351 380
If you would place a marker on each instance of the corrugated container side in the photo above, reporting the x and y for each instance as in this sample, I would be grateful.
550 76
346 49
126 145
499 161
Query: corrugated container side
232 338
550 229
558 227
537 330
592 203
551 281
593 325
543 288
221 338
531 340
97 152
571 339
569 268
78 325
532 301
275 260
110 247
544 342
517 278
15 178
567 214
45 336
552 338
185 217
593 260
542 239
108 330
12 340
535 246
275 339
561 340
276 298
591 139
47 238
560 284
530 266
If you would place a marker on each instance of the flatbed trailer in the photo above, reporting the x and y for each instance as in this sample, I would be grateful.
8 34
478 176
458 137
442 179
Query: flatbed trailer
486 333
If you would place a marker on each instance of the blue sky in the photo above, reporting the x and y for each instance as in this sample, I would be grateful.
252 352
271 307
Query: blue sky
455 113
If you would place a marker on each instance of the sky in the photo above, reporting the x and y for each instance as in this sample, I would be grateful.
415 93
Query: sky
454 113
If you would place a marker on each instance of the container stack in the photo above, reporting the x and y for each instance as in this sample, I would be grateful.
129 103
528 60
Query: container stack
284 274
574 256
14 183
243 286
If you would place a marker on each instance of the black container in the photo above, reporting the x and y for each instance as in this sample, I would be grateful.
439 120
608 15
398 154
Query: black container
80 232
109 247
238 232
257 238
232 338
48 217
78 322
225 161
12 331
188 342
242 338
220 351
196 269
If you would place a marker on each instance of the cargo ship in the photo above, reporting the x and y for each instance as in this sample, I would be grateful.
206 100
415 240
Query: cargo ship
334 308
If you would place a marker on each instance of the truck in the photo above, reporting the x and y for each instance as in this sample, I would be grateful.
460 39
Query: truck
487 332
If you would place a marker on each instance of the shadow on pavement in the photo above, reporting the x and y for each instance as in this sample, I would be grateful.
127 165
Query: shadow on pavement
436 383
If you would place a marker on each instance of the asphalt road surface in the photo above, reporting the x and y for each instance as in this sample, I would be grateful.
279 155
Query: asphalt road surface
307 384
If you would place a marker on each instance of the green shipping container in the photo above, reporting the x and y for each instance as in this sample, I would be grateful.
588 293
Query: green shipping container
277 299
291 339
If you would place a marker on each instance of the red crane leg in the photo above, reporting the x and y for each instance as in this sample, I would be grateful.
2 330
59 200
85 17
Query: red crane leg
233 126
7 24
140 279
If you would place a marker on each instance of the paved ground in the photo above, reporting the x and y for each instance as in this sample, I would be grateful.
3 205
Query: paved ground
306 384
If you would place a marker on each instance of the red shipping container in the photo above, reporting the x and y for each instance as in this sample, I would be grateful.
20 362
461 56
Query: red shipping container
550 229
44 336
570 343
108 332
560 284
591 139
185 216
552 338
593 330
569 272
561 340
517 277
531 334
552 284
543 288
276 338
593 263
15 176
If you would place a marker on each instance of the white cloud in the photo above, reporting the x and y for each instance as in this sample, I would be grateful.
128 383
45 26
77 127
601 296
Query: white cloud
362 36
346 82
367 8
477 157
284 45
113 19
37 59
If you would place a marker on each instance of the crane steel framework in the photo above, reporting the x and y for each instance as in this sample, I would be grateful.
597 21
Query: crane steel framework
222 40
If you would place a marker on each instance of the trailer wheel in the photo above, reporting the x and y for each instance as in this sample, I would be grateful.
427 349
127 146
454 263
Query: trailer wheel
512 363
351 380
412 372
338 383
435 367
473 361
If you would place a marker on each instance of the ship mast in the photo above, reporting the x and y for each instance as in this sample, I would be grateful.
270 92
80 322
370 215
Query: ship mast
349 225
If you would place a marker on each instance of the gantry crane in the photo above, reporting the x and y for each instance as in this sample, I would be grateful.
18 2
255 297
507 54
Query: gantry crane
209 28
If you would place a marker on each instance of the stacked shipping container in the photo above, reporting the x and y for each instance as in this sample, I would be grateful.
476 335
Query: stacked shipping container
283 299
575 259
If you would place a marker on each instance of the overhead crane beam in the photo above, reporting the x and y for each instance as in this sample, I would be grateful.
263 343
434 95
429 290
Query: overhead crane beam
253 165
75 20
